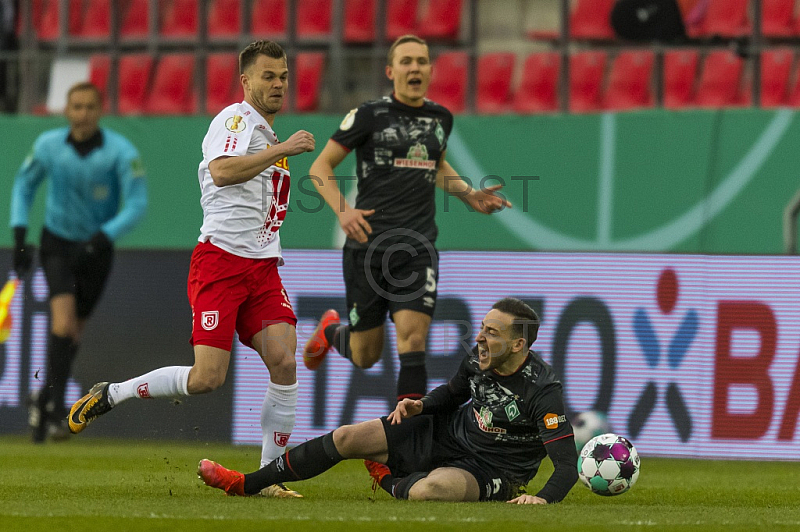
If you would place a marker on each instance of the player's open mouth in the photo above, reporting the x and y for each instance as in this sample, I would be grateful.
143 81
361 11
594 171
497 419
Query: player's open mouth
415 82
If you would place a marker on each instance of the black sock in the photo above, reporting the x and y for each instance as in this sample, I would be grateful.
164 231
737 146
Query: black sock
387 484
412 383
60 352
305 461
403 486
338 337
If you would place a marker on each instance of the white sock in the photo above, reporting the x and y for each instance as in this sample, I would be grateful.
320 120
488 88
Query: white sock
171 381
277 420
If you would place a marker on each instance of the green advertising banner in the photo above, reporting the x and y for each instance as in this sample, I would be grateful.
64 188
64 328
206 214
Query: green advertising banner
660 181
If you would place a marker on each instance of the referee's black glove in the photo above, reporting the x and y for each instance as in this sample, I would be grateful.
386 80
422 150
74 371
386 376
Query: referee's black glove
93 250
23 254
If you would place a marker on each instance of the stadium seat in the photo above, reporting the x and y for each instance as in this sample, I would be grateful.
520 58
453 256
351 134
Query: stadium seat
96 20
401 18
441 21
449 81
309 67
776 70
538 89
724 18
777 17
268 18
46 19
133 79
224 19
135 22
359 21
222 81
720 80
314 19
99 71
179 19
680 73
172 91
586 81
630 80
495 73
591 20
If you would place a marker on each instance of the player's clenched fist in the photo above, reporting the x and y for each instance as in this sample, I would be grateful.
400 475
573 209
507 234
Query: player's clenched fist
301 141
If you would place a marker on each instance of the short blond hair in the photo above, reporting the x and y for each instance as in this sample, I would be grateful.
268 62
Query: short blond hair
402 40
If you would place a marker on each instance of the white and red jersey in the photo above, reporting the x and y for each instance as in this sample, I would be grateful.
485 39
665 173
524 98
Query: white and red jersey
243 219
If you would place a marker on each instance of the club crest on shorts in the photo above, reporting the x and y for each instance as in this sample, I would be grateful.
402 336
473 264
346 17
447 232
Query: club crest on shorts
281 438
209 319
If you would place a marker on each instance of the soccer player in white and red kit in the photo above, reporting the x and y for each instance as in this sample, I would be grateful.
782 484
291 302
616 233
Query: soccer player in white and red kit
234 284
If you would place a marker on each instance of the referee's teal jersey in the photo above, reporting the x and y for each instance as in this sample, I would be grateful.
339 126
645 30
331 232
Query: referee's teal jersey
85 192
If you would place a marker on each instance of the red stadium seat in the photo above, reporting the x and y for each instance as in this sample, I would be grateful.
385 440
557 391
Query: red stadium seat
96 21
680 73
776 69
222 81
224 19
442 20
268 18
449 82
99 70
720 80
401 18
630 80
46 19
495 73
314 19
724 18
309 67
133 80
359 21
135 20
179 19
777 17
538 89
591 20
172 93
586 81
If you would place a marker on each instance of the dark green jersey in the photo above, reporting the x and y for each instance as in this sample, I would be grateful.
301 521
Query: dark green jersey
398 148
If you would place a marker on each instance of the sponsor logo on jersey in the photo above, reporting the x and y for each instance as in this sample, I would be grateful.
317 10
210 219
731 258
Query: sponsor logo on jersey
417 157
348 120
551 421
235 124
283 163
484 419
512 410
281 438
209 319
143 391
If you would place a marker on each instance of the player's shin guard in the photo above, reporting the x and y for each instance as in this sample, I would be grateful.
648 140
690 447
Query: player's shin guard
171 381
277 420
403 486
412 383
338 336
305 461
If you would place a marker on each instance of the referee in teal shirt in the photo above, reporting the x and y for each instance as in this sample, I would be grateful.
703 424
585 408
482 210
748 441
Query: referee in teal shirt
97 194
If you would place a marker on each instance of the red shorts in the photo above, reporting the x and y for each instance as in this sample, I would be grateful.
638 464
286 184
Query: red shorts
230 293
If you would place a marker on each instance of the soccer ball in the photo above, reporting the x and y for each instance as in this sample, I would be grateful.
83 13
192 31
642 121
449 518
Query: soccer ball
587 425
609 464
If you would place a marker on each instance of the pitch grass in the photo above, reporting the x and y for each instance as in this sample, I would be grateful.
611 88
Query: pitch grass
102 485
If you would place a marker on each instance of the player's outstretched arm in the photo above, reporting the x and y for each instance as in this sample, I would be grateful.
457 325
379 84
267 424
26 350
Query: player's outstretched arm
485 200
405 409
353 221
235 170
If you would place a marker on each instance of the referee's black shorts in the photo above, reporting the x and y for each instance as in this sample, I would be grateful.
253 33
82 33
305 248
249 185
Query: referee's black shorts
377 282
424 443
57 256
